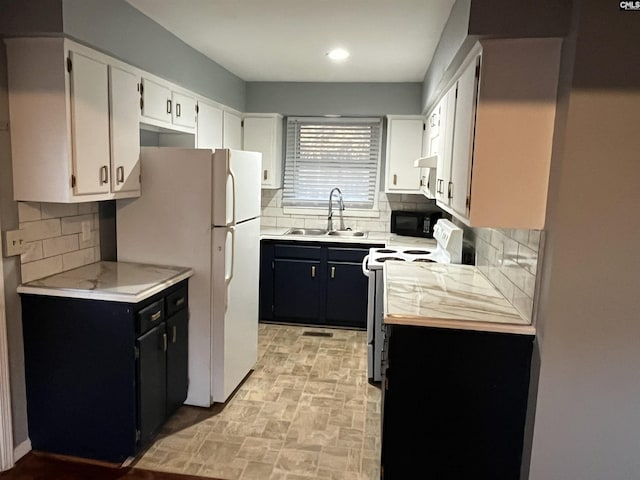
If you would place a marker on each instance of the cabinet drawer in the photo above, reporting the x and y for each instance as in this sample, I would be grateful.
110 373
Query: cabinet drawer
150 316
346 254
176 301
306 252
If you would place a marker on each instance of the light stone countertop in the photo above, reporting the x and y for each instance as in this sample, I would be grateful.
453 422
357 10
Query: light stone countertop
447 296
109 281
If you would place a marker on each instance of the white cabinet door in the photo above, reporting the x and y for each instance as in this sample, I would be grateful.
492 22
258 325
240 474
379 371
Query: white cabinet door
90 124
125 132
459 184
404 146
209 126
184 110
156 101
443 144
263 133
231 131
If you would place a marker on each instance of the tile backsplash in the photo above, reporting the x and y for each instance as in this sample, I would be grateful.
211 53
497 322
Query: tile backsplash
509 259
274 216
54 237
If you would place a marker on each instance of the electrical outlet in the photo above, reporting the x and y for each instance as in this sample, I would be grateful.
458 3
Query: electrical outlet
13 243
86 231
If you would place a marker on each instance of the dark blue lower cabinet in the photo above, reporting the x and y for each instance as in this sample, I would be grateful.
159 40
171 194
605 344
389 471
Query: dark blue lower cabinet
102 377
454 403
346 295
314 283
297 290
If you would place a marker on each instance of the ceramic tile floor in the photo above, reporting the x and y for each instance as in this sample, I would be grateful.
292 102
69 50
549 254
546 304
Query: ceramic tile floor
306 411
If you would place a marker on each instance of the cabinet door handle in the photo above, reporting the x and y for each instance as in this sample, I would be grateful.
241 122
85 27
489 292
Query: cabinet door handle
395 179
120 174
333 272
164 341
104 174
178 110
179 301
168 106
313 271
450 190
265 174
174 334
156 315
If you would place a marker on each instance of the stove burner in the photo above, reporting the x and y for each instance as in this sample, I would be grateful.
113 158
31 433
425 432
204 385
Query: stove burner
386 250
417 252
384 259
426 260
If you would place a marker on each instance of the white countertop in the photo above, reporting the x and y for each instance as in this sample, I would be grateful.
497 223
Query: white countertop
109 281
447 296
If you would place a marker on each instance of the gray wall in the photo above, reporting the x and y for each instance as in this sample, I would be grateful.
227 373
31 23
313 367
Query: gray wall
290 98
11 267
587 422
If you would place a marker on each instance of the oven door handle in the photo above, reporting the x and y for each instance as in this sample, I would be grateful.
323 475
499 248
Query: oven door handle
365 266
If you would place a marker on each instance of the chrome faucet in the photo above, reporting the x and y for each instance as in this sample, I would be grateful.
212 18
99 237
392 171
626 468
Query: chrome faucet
340 206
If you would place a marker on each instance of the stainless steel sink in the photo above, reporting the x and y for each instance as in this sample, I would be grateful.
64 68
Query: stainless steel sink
318 232
306 231
346 233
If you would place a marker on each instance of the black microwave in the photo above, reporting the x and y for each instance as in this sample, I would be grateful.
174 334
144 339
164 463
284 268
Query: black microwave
414 224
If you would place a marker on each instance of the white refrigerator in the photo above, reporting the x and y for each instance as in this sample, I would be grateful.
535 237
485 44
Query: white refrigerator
201 209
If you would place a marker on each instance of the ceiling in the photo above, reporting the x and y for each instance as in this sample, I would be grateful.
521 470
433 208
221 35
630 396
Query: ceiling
287 40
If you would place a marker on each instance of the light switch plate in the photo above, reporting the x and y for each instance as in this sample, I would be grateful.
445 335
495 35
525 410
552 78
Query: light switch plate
13 243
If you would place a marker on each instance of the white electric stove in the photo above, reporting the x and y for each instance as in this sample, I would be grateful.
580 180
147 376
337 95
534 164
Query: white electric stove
448 249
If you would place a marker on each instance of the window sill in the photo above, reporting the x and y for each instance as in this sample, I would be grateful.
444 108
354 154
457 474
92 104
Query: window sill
323 212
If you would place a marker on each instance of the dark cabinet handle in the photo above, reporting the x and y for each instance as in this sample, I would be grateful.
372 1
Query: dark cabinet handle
265 174
450 190
179 301
165 342
168 106
104 174
174 334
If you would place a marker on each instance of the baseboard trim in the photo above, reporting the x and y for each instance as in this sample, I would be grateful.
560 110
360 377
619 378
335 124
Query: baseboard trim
21 450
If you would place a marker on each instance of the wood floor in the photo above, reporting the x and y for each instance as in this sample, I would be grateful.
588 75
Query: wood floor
38 467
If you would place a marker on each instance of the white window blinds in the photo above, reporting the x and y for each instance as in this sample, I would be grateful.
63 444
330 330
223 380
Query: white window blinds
322 153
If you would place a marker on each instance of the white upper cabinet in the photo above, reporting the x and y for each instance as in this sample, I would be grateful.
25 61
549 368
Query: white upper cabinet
209 126
183 110
231 130
404 146
166 106
125 132
71 114
263 133
502 134
89 85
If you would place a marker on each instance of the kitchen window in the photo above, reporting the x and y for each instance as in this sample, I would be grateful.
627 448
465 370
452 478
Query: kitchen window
322 153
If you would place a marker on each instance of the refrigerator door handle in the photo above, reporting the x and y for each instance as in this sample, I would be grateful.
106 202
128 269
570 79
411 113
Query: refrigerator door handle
227 279
233 196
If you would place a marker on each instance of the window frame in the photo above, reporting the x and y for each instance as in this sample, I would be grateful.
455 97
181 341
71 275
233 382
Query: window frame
372 212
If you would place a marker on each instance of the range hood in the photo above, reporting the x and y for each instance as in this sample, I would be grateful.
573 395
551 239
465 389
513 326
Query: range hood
426 162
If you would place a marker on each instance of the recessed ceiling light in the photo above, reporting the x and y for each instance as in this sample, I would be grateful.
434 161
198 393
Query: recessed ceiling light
338 54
